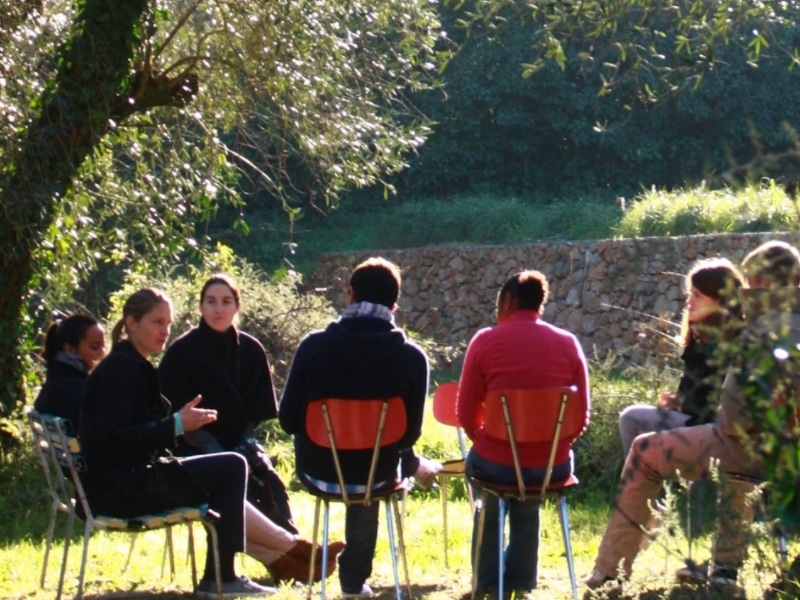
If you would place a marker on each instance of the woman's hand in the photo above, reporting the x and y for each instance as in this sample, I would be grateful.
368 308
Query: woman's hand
194 418
668 400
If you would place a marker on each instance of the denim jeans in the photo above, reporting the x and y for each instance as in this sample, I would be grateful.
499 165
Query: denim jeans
361 535
521 555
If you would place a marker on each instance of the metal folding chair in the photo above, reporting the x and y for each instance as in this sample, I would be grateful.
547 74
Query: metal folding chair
530 416
343 425
444 411
59 452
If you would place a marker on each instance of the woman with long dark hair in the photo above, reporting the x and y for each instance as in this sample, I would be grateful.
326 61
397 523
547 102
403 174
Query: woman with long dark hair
712 315
230 369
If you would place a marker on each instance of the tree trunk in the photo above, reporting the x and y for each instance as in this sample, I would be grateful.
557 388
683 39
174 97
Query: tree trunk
88 91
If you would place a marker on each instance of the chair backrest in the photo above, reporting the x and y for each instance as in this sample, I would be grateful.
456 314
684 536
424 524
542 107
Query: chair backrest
57 485
343 424
444 403
444 410
60 451
533 416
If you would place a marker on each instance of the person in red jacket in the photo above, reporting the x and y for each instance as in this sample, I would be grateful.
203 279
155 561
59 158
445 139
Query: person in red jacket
521 351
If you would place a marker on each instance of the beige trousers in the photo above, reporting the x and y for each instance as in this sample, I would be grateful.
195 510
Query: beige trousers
655 457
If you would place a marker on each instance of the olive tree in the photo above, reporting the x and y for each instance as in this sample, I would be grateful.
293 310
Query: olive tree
126 124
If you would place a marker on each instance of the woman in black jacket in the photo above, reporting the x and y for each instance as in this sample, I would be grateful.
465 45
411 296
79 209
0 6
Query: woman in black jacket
127 430
72 347
230 369
712 316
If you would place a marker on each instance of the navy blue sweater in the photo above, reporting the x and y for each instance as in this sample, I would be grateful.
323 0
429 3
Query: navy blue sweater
356 358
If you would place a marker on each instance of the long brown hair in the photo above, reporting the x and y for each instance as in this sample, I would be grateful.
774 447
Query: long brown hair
719 279
138 305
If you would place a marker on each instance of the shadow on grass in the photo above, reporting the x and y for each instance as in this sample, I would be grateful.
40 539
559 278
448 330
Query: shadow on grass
677 592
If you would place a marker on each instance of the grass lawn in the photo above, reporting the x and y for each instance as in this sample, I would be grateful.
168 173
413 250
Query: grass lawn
20 562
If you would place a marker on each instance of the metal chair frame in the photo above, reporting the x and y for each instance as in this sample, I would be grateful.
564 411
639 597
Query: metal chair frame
444 411
498 423
59 453
337 424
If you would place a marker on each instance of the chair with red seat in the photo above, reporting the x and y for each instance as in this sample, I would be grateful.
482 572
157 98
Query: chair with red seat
530 416
444 411
343 425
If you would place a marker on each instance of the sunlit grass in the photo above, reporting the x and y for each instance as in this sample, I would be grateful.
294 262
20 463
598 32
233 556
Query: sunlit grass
20 562
764 207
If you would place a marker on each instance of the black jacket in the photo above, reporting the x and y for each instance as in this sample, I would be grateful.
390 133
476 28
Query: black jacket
232 373
125 431
362 357
62 391
700 382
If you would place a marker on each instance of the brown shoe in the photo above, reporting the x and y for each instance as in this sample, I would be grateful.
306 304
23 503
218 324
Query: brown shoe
288 568
302 550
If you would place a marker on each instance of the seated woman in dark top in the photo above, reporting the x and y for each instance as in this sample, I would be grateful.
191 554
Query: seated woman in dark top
127 430
712 315
72 347
229 368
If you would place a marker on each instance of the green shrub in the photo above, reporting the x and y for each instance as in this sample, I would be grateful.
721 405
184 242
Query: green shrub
372 223
25 502
598 453
764 207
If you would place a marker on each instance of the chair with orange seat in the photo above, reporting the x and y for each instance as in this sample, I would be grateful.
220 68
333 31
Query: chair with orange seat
344 425
444 411
530 416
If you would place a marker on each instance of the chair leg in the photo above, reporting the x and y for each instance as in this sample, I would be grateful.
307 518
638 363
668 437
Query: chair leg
214 543
501 542
564 517
130 553
313 551
402 546
405 499
443 488
192 557
171 549
86 533
392 548
689 535
326 520
779 537
67 540
476 559
50 531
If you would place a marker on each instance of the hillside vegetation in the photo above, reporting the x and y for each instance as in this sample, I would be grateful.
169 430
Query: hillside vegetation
372 224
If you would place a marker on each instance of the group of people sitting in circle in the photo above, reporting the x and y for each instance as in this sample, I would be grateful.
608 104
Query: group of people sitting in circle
183 432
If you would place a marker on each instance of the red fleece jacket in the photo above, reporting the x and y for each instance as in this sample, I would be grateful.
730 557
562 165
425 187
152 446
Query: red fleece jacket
521 352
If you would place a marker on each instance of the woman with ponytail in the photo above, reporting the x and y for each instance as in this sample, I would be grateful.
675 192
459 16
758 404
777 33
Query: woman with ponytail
127 433
72 347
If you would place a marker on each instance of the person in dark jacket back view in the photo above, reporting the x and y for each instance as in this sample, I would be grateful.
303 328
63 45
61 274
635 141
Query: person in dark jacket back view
361 355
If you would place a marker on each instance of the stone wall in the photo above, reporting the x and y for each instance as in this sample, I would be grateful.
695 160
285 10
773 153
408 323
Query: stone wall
610 293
